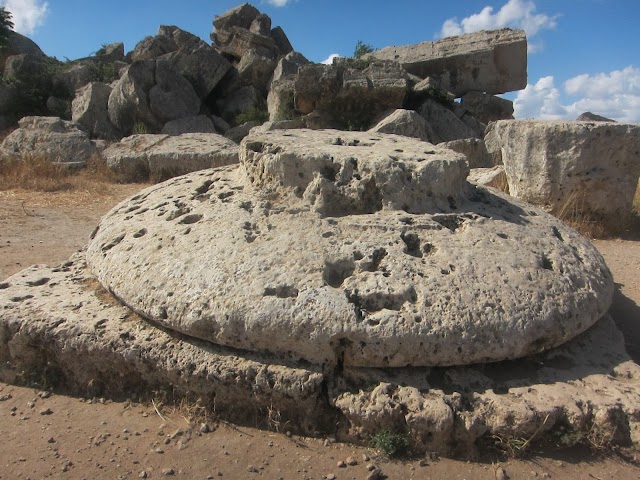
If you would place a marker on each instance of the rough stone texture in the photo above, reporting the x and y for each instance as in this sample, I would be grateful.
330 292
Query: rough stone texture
256 70
201 64
114 52
280 99
469 120
151 92
59 107
282 41
487 61
242 100
407 123
172 96
244 29
89 109
153 47
354 97
473 149
487 108
589 168
164 156
50 137
196 124
367 249
592 117
489 177
74 78
129 102
62 311
237 133
444 122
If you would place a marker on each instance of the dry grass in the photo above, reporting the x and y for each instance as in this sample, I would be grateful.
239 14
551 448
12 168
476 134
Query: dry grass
38 173
574 212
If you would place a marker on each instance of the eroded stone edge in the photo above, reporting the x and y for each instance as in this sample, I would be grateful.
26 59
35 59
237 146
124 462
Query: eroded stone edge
50 318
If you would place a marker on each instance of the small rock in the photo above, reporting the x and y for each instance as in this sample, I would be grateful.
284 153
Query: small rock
352 461
167 441
46 411
44 394
31 404
375 475
252 469
51 440
365 457
371 467
331 476
159 450
143 474
205 428
5 397
501 474
168 471
341 464
423 463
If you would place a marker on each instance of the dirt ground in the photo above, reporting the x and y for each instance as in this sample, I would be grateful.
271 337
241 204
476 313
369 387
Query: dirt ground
45 435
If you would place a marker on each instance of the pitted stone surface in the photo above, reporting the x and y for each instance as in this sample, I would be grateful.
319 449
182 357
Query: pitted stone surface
52 316
251 257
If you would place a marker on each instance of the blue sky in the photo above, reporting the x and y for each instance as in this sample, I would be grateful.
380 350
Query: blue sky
584 54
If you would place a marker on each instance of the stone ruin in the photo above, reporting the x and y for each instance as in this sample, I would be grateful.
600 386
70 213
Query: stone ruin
351 281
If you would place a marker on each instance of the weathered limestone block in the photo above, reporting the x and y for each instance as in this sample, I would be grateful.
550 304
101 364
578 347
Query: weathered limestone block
201 64
407 123
129 100
367 249
195 124
489 177
90 109
256 70
589 168
172 97
473 149
165 156
280 99
58 140
114 52
487 61
487 108
62 311
352 95
445 123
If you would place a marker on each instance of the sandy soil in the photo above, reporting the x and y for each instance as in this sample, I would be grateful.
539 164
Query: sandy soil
46 435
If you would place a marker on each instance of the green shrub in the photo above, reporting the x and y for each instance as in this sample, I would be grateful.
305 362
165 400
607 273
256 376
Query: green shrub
390 443
256 114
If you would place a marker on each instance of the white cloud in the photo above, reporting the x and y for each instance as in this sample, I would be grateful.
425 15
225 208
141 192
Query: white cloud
541 100
329 59
278 3
515 13
27 14
614 95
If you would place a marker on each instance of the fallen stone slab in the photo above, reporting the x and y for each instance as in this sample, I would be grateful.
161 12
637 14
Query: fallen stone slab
588 168
57 323
58 140
164 156
367 249
492 61
489 177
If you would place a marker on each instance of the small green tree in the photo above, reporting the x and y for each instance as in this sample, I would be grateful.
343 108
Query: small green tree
362 49
6 26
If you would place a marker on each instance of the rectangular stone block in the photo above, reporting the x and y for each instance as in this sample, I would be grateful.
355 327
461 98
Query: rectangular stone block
488 61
